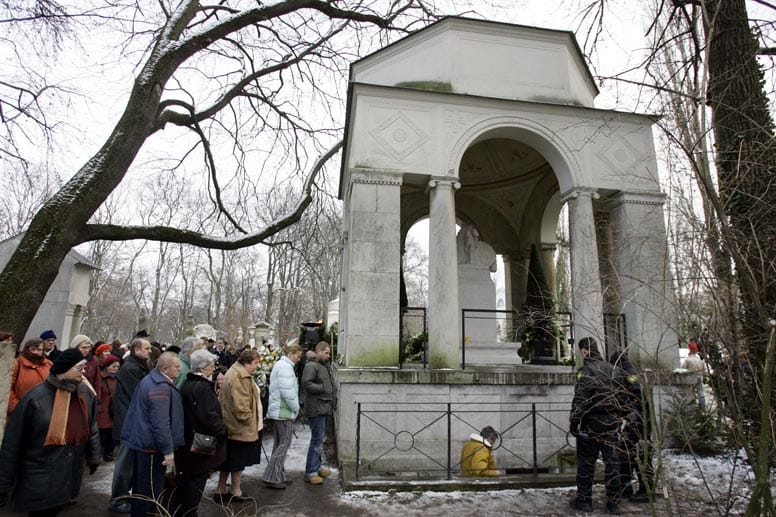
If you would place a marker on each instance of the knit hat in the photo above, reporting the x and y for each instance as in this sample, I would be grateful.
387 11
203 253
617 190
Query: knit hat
48 334
109 360
80 338
693 346
66 360
105 347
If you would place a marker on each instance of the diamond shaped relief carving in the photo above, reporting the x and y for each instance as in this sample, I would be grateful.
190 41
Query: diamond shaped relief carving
399 136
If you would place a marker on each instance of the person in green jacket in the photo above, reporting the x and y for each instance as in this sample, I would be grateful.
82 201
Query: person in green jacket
476 456
318 386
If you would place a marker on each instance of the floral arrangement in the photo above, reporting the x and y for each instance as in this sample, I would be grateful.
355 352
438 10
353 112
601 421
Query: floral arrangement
268 356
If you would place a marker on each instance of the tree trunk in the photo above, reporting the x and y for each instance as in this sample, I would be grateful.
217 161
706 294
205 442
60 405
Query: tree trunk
746 161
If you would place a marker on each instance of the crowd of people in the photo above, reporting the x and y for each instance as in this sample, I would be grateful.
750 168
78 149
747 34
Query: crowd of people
167 419
196 409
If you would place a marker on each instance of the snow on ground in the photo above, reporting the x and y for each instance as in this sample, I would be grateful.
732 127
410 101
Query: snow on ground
691 487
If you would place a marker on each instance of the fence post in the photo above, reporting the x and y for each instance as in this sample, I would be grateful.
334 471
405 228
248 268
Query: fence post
358 439
463 339
449 442
533 425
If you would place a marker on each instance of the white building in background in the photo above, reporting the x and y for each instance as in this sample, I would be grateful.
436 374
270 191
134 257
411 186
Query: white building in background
65 302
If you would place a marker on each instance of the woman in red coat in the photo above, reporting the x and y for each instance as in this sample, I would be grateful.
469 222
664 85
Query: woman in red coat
110 367
30 369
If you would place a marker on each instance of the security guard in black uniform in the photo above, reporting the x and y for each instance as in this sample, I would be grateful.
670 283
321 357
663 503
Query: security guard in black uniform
597 421
636 449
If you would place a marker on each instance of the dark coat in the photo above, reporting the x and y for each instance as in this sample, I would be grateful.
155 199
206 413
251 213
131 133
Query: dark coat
131 373
201 413
154 420
107 394
597 407
43 477
318 387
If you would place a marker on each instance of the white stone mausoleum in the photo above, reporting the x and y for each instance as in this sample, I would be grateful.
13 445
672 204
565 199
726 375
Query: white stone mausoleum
492 127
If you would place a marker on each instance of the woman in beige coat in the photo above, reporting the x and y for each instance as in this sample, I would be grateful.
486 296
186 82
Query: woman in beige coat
242 413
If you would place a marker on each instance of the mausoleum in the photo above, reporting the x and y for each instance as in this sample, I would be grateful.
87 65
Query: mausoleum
492 128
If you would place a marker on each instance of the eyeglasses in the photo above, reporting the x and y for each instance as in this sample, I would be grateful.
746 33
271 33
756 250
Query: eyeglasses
80 367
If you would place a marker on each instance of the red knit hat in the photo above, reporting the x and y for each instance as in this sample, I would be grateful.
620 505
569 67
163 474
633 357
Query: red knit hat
693 346
110 360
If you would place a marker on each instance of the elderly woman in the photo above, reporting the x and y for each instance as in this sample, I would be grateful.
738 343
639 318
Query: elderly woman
53 427
239 396
91 377
283 409
30 369
201 414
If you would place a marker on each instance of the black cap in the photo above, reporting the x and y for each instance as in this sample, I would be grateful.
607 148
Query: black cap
66 360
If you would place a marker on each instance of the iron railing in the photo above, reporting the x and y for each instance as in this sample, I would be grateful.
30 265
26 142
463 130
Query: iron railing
426 437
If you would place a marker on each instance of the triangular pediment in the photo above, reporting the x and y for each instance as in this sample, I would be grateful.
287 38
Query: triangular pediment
483 58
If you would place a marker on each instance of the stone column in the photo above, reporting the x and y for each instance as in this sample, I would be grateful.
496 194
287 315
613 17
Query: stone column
646 287
444 329
371 281
586 299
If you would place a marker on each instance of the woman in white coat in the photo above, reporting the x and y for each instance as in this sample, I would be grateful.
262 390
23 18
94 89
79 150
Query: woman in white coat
283 409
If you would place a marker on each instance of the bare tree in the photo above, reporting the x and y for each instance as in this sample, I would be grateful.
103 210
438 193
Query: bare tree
204 65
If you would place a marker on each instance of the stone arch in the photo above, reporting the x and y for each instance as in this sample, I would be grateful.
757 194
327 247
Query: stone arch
540 137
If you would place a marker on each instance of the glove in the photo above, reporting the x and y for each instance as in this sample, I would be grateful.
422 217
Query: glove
574 428
93 468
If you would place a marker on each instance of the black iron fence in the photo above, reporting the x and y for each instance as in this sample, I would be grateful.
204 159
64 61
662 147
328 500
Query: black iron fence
425 439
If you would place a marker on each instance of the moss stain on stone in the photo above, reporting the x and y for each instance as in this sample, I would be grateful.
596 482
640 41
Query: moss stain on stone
431 86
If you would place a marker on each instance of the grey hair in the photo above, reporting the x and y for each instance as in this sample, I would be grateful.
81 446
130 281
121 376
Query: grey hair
188 344
201 359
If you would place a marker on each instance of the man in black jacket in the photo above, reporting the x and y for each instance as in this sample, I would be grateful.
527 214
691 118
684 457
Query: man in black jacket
596 421
134 369
49 432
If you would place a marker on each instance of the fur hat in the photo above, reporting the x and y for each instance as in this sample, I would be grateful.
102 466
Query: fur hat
48 334
109 360
66 360
80 338
105 347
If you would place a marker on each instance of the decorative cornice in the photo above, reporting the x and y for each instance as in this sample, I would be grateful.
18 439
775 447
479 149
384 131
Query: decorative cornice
633 198
376 177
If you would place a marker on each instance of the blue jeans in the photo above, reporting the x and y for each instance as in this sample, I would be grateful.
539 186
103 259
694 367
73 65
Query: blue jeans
317 433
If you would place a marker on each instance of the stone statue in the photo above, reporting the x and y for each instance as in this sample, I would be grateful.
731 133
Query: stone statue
476 289
472 251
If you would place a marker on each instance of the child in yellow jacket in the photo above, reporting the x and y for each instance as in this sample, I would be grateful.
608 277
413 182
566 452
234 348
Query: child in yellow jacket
476 457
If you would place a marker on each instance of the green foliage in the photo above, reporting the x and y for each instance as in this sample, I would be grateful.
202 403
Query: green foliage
413 348
700 431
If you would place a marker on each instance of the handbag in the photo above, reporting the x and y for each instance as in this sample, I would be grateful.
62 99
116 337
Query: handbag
204 444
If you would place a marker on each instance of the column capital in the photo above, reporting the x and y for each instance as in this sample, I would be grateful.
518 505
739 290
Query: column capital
577 193
444 181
